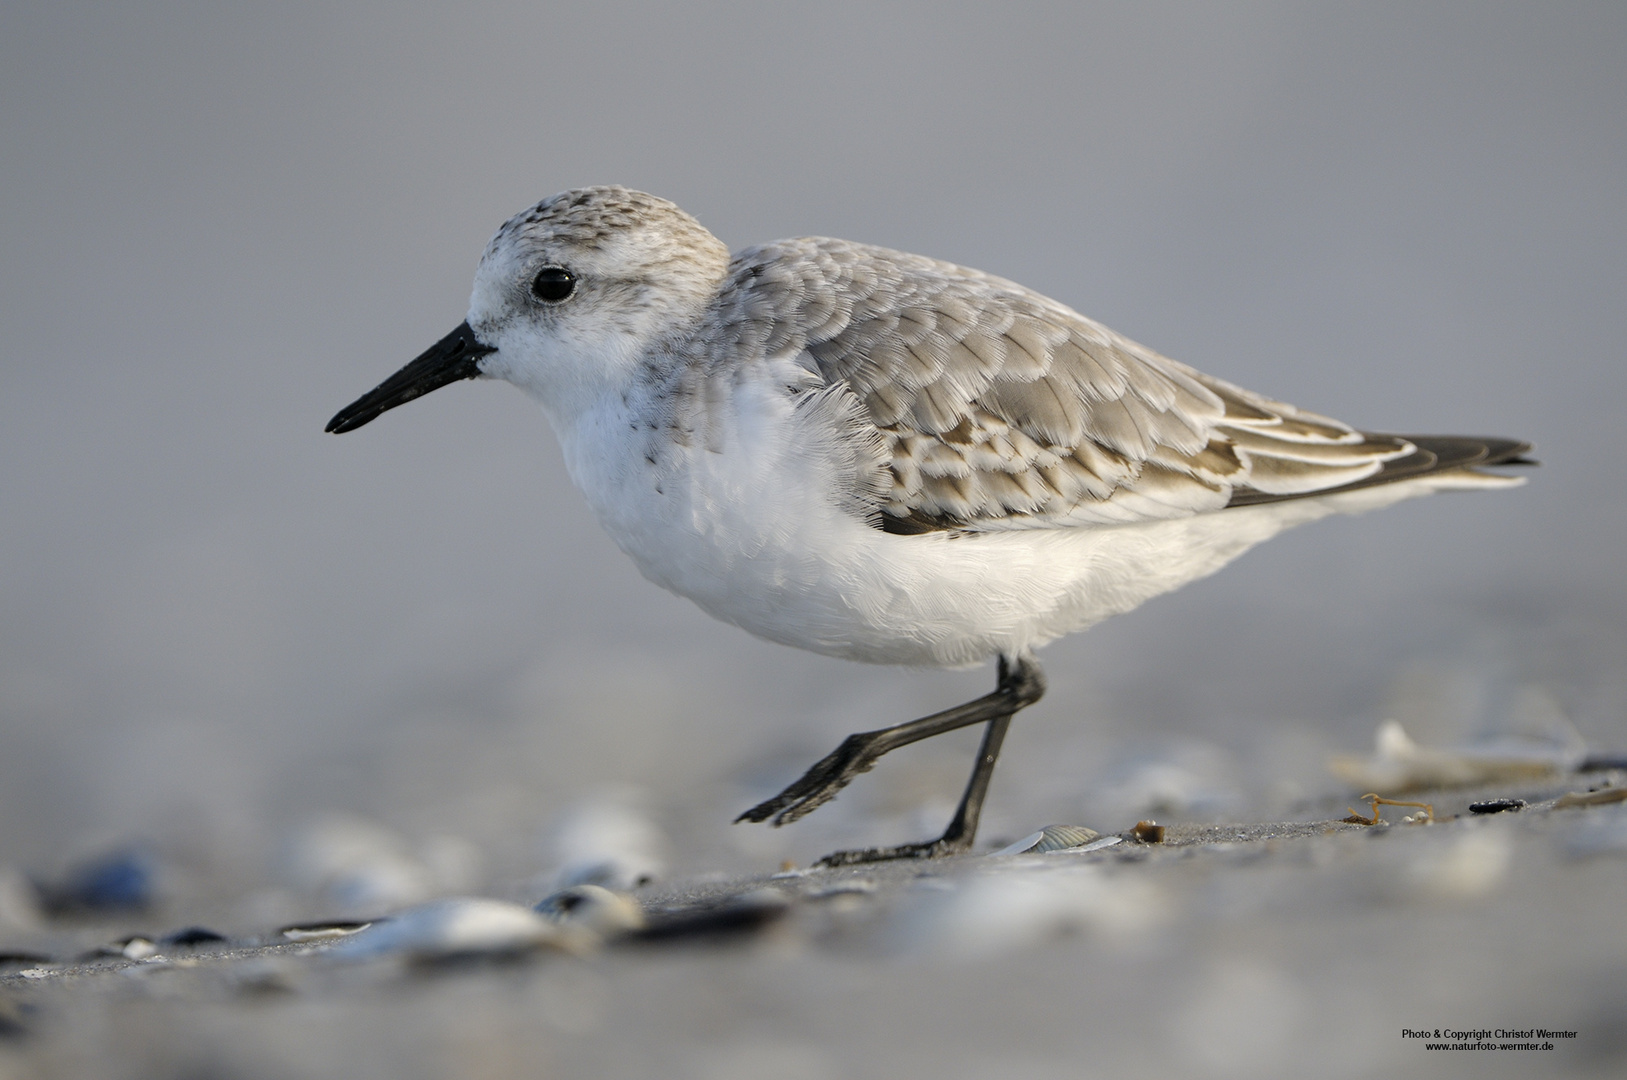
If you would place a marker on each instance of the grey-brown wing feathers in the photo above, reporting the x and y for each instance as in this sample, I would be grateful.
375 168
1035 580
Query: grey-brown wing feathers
999 408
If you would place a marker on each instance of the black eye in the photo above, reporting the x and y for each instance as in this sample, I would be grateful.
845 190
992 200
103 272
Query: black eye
553 284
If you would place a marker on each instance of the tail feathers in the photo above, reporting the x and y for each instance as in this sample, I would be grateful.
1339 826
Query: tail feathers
1433 454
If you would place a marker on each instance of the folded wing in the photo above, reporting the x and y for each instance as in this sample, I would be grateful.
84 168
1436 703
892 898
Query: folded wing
1000 408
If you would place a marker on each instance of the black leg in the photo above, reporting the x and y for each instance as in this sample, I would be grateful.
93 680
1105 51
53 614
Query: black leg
1021 684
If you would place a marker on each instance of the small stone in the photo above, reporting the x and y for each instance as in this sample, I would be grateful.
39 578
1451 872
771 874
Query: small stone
1496 806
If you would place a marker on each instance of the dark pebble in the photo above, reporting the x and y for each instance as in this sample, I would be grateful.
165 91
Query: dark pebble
192 936
1496 806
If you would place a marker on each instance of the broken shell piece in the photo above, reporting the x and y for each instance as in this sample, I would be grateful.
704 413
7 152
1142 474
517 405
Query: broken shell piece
134 947
1097 845
1051 838
137 948
1398 764
451 929
1590 798
323 931
1148 832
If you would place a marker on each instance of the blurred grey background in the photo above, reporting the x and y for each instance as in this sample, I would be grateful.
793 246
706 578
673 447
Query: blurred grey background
220 223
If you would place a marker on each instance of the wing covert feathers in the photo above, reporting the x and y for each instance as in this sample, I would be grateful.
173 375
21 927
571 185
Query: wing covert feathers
999 408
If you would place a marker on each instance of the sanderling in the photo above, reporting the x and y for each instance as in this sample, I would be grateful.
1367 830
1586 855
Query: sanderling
888 458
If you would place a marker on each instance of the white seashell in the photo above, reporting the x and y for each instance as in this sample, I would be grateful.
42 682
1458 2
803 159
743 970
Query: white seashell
1051 838
443 929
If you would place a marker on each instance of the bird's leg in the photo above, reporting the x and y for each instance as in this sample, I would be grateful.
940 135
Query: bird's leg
1021 684
962 827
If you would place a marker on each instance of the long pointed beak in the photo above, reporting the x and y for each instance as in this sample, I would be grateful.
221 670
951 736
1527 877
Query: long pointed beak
456 356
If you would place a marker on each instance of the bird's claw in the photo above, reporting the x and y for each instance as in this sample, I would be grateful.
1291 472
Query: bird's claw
819 784
930 849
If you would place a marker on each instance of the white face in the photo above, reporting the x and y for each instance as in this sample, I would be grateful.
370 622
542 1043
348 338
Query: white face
569 299
575 291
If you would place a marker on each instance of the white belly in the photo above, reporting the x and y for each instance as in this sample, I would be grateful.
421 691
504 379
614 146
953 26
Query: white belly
752 530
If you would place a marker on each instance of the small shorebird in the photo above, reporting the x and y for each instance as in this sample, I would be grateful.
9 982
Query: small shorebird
888 458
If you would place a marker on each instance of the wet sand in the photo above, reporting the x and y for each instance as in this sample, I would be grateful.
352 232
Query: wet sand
1256 948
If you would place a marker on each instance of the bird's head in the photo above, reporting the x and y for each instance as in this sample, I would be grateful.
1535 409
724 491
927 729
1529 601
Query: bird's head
569 296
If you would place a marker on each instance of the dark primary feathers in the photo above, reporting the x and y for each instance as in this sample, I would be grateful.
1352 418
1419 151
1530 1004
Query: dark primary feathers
1001 408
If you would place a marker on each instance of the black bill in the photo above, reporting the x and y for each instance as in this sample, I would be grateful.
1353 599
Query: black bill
456 356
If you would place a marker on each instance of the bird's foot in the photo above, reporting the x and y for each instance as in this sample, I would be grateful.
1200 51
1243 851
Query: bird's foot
930 849
830 774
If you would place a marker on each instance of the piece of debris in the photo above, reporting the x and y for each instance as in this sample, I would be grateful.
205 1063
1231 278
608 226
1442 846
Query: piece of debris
1148 832
1426 818
1399 765
1496 806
